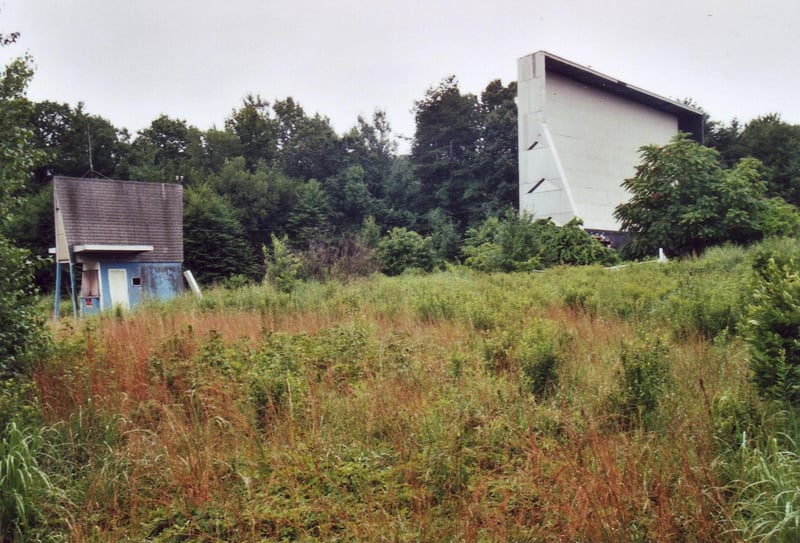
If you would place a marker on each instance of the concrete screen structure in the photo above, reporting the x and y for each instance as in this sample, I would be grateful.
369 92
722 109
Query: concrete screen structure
579 138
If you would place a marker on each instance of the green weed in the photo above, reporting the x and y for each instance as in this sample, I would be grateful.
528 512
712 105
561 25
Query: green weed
644 379
22 482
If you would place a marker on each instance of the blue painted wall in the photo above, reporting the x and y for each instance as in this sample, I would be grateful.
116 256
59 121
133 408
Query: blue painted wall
155 281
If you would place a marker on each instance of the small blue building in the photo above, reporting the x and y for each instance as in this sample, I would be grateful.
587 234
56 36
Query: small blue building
124 239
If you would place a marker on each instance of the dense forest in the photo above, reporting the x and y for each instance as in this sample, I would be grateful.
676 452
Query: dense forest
276 170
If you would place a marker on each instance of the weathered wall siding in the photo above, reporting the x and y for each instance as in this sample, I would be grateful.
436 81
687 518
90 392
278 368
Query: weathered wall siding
158 280
161 280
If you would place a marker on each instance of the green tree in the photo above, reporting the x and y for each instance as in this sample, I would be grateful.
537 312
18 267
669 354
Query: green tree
350 198
18 155
159 153
465 151
281 266
76 143
308 147
370 145
308 217
776 144
21 328
683 200
445 141
263 199
726 139
496 163
256 130
214 244
402 196
207 152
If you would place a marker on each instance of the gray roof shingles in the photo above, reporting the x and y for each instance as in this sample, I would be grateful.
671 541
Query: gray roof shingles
110 212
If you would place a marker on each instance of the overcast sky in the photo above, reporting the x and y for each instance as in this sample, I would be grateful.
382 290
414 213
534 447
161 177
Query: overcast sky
133 60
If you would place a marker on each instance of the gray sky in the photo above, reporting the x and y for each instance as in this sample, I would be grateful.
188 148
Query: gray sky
132 60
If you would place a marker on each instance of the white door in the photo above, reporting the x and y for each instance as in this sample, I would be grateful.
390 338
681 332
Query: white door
118 288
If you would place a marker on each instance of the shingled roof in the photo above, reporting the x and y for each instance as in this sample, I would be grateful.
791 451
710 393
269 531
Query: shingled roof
104 212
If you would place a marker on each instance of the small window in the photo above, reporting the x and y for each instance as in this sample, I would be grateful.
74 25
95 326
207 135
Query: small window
136 281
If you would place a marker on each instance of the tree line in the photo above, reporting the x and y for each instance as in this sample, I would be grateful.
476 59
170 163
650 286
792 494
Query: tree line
275 171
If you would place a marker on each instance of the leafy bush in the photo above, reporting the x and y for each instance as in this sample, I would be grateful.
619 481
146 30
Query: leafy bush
444 236
518 243
404 249
779 218
572 245
22 333
533 353
275 375
503 244
773 328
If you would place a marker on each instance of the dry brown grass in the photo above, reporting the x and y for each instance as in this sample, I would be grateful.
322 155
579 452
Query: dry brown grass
378 456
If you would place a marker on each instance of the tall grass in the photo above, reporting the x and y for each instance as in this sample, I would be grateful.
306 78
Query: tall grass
23 485
768 495
451 406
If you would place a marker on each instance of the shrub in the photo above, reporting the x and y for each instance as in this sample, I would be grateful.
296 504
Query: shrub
518 243
779 218
276 375
282 265
339 259
503 244
22 333
572 245
533 353
773 328
644 378
444 236
539 358
404 249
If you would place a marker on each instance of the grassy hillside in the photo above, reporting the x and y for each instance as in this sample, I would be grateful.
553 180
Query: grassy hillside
578 404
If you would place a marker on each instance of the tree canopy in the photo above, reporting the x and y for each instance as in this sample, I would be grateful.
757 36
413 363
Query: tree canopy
683 200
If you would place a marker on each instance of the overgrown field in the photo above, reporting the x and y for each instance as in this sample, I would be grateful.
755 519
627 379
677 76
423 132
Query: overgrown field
579 404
